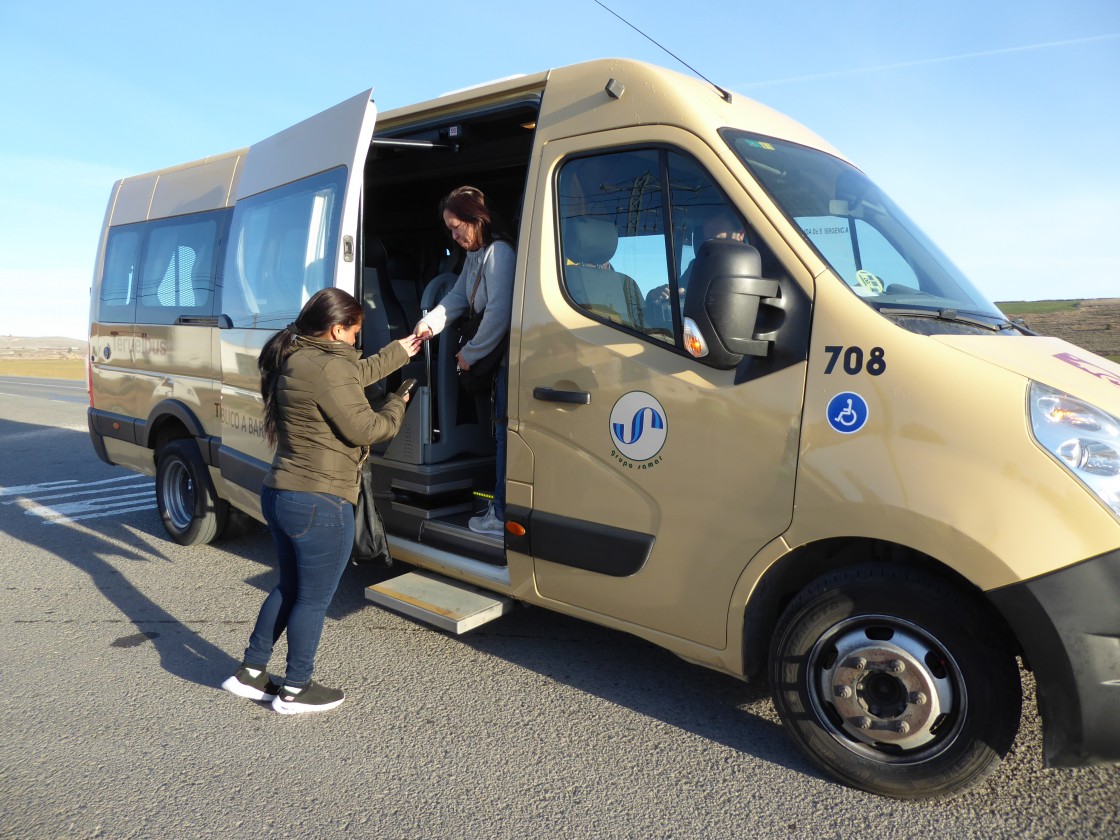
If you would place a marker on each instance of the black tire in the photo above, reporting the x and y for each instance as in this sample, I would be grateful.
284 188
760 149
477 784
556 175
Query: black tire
894 682
191 511
238 524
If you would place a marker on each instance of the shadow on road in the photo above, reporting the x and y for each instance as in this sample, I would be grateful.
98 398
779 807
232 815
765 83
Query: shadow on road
621 669
103 548
611 665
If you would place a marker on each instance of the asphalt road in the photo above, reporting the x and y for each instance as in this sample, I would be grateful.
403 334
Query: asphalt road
115 642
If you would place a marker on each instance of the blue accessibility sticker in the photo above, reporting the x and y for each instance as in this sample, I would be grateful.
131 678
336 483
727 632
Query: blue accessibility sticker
847 412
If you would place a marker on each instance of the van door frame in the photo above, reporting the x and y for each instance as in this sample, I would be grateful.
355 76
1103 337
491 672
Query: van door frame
588 594
339 136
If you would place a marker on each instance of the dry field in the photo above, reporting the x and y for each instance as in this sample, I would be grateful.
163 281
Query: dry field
54 358
1091 324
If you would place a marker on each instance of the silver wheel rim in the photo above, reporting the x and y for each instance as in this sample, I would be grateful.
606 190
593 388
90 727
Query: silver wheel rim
178 495
883 687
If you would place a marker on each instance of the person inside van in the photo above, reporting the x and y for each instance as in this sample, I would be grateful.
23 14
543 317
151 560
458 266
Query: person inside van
485 286
723 223
317 416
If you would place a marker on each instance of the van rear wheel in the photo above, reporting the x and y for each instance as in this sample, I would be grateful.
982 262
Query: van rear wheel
190 509
894 682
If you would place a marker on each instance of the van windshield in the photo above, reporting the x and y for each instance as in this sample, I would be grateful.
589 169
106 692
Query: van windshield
866 239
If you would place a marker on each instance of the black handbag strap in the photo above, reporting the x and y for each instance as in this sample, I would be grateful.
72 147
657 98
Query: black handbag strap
477 280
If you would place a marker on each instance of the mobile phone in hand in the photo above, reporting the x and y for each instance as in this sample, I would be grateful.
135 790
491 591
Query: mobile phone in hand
406 388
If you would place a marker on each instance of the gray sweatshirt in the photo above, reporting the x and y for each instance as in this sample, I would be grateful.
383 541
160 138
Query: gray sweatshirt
494 299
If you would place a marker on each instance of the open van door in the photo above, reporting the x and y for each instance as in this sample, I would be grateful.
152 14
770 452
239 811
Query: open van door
295 230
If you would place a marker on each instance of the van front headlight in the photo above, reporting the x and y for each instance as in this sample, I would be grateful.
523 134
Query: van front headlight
1084 439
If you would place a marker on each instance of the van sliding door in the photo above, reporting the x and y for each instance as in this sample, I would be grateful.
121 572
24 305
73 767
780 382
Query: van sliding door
294 231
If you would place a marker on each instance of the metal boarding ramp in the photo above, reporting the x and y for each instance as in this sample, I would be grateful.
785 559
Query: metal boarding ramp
442 602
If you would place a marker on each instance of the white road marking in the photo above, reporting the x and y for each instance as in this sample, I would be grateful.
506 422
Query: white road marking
83 506
59 384
62 520
28 489
79 493
21 489
109 501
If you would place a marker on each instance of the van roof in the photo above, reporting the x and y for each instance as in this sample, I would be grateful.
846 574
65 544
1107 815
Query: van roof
651 95
205 184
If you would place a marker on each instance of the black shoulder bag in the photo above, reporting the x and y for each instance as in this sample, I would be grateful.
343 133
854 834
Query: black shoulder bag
479 379
370 545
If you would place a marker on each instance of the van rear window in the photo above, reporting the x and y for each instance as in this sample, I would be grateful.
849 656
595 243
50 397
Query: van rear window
117 301
159 271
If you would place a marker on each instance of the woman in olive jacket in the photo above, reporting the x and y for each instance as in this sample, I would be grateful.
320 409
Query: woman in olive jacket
317 416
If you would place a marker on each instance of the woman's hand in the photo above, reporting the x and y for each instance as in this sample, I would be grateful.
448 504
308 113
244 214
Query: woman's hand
462 363
411 344
423 331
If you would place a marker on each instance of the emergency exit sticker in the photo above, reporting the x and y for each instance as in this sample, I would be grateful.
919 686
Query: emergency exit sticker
847 412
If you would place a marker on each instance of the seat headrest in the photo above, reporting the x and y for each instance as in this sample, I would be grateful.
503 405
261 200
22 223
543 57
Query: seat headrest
437 287
588 240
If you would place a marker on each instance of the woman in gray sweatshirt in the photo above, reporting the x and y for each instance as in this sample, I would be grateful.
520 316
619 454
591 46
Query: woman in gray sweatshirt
485 285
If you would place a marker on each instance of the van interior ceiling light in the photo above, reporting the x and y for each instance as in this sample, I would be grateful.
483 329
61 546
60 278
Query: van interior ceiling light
1084 439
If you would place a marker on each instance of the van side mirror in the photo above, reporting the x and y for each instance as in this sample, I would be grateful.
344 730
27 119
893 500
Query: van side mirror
725 291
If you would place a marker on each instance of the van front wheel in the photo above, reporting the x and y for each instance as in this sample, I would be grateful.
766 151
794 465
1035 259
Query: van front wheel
894 682
191 511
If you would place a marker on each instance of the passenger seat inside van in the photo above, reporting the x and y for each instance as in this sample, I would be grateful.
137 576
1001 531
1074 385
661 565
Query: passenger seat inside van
589 245
460 421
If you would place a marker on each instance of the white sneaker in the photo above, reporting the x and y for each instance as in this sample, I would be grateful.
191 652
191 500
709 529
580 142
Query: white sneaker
312 698
487 523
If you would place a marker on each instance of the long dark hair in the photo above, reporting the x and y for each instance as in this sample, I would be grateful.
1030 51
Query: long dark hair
469 205
326 308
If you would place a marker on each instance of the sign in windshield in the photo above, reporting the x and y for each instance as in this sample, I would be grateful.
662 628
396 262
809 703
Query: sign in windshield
862 235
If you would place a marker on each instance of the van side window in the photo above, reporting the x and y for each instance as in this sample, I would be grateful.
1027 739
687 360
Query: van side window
612 234
161 270
119 276
626 250
279 246
177 273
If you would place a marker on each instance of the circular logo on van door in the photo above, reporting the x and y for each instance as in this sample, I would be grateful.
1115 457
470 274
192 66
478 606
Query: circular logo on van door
847 412
638 426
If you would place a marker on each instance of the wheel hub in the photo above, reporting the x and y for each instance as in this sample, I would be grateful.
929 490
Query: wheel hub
888 685
179 495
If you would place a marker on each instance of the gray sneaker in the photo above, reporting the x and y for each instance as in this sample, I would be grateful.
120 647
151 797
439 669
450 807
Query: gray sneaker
313 698
487 523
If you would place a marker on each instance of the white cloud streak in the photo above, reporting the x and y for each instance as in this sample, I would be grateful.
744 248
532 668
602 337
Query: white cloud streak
854 71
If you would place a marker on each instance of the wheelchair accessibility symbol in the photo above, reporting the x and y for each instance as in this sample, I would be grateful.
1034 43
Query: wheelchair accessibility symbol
847 412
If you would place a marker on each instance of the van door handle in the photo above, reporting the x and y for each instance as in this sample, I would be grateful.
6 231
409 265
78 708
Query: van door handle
570 397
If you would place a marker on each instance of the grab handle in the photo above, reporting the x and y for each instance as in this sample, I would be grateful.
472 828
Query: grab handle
569 397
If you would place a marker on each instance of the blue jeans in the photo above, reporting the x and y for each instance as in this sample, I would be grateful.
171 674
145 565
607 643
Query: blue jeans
313 534
500 425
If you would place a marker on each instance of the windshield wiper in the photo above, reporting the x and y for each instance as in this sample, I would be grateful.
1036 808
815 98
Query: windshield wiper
954 316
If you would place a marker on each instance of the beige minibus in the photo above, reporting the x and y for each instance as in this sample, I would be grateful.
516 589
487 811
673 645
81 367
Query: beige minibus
755 416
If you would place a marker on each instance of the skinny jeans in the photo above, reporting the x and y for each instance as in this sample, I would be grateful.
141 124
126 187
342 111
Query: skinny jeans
313 534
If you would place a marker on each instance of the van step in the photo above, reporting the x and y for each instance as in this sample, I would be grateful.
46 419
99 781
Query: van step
445 603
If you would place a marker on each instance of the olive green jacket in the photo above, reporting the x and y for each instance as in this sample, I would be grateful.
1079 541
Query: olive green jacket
326 423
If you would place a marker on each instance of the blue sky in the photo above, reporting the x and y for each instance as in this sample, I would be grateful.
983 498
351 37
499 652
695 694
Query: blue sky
995 124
